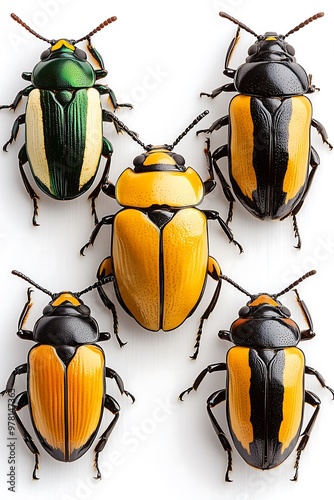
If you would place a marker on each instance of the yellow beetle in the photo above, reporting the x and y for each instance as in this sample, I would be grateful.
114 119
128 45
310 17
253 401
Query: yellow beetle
159 247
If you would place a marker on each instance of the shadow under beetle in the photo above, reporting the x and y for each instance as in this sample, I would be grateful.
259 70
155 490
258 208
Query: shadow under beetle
269 121
66 379
264 393
159 245
63 121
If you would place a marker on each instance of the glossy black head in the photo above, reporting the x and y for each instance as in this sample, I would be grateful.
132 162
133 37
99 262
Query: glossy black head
66 320
271 47
264 323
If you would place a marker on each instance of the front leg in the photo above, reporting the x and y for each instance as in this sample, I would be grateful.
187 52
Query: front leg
19 370
109 219
23 93
104 89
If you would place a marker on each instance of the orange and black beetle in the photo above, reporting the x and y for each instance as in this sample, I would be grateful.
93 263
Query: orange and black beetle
269 150
66 373
265 392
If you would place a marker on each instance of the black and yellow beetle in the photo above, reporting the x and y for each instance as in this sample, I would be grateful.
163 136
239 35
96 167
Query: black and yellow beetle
265 393
66 379
63 121
269 149
159 247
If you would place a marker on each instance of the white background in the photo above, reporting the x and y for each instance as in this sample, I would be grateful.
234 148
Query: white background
160 56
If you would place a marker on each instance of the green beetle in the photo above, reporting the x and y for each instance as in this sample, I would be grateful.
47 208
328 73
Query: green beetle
64 121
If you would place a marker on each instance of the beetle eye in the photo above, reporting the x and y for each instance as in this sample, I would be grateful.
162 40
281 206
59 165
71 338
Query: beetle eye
84 310
244 311
81 54
48 309
285 311
252 50
290 50
179 160
45 54
139 160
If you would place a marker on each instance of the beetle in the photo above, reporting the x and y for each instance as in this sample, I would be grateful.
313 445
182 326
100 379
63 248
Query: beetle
269 122
159 258
63 120
66 379
265 392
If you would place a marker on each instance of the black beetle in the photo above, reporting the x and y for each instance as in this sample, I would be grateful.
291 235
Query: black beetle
265 392
269 150
66 375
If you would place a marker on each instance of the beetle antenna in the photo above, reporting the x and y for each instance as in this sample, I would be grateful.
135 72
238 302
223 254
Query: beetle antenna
112 117
238 23
98 28
305 23
101 282
295 283
192 125
233 283
21 275
18 20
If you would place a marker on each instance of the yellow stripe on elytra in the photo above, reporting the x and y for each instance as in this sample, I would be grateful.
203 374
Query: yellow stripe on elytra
239 395
94 134
35 138
299 146
242 145
293 395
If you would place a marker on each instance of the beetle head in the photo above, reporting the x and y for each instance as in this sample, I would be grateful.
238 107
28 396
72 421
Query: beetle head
264 322
270 46
159 158
63 48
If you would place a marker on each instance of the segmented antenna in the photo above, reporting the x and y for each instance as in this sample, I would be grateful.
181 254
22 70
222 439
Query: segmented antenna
238 287
18 20
25 278
295 283
132 134
192 125
238 23
97 29
101 282
37 35
305 23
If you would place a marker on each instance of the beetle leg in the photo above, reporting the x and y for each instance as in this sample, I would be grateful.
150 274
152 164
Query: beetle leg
216 398
214 271
322 131
209 369
23 93
23 159
19 370
20 120
107 151
110 404
309 333
104 89
105 220
210 182
311 371
217 124
20 402
213 215
228 71
313 400
114 375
